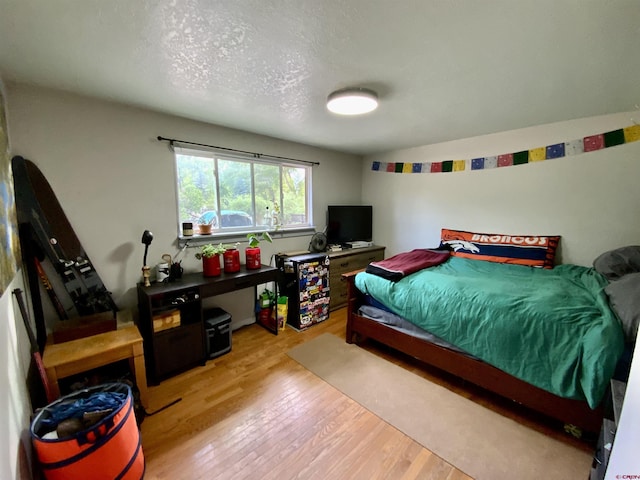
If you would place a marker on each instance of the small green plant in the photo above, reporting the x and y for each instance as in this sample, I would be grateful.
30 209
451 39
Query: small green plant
256 238
209 250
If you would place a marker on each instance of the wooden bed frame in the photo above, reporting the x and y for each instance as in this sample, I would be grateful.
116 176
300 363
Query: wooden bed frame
572 412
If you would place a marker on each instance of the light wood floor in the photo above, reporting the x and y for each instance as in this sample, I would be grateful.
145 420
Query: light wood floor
256 414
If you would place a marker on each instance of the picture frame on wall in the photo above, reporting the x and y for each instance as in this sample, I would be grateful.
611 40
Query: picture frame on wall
10 248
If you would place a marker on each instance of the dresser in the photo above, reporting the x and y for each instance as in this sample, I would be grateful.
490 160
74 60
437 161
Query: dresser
348 260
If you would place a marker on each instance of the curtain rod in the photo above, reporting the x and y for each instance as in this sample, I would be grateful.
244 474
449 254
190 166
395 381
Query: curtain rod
254 154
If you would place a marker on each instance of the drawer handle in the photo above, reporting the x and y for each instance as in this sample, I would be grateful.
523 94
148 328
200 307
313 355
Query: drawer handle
345 264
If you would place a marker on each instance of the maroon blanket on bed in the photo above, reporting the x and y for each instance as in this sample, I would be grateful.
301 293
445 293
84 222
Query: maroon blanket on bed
406 263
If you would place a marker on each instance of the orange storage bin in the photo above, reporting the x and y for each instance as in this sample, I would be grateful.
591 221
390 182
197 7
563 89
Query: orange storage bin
109 449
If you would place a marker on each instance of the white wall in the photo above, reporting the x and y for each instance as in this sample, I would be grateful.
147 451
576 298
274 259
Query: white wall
624 461
15 404
592 200
114 179
14 398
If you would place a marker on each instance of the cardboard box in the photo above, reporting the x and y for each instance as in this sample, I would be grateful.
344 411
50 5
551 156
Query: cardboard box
166 320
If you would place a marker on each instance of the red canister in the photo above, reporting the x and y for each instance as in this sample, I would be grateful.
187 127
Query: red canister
231 259
211 266
253 257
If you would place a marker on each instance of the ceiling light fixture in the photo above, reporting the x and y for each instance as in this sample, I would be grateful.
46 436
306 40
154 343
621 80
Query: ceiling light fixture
352 101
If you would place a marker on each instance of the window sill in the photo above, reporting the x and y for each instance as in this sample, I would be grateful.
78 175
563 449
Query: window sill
240 237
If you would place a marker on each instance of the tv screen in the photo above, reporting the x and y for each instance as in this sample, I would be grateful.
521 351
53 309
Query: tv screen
349 223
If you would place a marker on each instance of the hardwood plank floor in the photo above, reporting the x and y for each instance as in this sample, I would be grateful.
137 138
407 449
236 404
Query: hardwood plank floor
256 414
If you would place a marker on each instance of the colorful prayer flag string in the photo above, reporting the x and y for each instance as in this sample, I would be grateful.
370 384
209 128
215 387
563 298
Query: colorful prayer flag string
539 154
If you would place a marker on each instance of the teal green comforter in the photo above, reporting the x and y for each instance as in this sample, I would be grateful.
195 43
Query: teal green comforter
551 328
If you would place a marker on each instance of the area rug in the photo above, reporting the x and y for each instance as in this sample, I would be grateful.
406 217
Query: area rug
474 439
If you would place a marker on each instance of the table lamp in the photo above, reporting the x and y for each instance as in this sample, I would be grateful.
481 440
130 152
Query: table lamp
147 237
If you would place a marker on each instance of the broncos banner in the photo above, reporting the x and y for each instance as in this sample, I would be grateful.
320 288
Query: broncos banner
533 251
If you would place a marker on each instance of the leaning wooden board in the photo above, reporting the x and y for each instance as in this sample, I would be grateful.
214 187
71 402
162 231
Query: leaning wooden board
42 218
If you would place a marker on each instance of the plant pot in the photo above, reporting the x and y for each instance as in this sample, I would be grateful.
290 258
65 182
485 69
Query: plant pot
252 255
205 229
231 260
211 266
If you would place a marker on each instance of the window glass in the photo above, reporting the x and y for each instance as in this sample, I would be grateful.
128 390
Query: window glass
236 193
196 188
294 192
233 193
267 193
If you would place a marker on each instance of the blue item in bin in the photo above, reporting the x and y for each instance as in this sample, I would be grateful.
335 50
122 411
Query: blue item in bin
77 408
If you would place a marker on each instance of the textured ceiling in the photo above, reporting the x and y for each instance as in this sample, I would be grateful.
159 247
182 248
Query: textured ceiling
444 69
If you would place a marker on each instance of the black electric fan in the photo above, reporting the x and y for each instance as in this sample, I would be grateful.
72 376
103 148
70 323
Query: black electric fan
318 243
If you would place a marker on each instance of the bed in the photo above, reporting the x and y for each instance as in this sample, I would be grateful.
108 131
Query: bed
508 321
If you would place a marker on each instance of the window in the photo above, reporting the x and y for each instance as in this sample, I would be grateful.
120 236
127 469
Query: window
239 193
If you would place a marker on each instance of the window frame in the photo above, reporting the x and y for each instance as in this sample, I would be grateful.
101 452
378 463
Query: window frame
238 234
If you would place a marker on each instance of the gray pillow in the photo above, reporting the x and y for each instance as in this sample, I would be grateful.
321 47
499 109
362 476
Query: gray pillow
624 298
617 263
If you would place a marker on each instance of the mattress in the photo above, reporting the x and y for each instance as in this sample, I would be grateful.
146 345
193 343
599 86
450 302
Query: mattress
396 322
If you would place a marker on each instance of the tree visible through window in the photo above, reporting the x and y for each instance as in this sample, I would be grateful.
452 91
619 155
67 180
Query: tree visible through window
237 193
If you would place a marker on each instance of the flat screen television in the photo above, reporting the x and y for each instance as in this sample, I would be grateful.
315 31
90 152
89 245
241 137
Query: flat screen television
349 223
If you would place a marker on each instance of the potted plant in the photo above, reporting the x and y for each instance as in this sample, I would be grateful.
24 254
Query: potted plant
252 252
205 227
231 259
210 255
206 222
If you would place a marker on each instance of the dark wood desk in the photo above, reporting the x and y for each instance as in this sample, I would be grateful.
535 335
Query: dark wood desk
172 350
